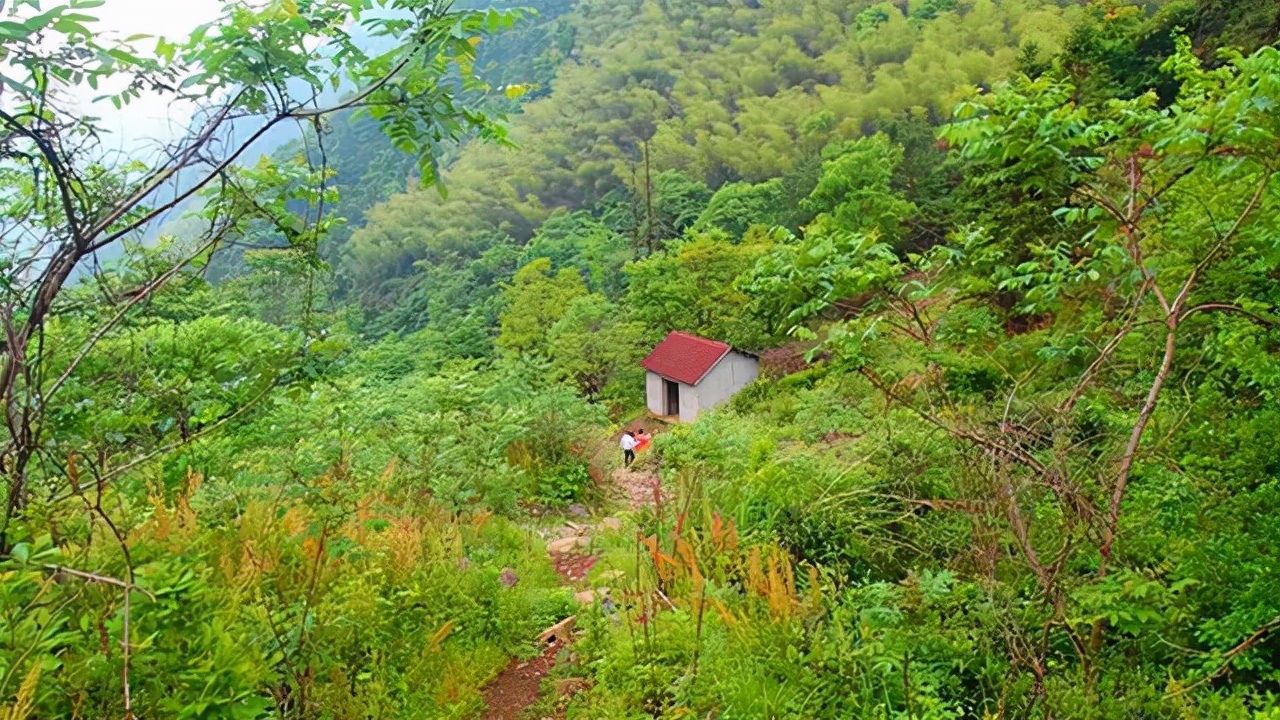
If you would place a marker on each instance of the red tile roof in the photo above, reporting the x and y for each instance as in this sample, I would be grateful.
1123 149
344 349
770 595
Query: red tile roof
685 358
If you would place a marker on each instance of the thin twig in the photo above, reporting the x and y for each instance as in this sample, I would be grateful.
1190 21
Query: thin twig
1230 655
97 578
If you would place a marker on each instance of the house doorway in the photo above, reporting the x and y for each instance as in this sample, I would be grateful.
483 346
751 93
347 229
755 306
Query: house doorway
671 391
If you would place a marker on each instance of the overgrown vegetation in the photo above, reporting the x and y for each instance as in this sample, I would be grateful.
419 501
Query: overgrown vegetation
1011 266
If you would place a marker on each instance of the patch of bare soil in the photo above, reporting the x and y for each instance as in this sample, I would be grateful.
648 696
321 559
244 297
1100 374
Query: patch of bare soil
516 687
637 487
572 567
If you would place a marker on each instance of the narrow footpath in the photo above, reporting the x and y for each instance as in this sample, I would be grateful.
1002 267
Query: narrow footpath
518 687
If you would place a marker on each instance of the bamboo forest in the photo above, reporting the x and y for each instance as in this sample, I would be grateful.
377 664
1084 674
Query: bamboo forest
626 359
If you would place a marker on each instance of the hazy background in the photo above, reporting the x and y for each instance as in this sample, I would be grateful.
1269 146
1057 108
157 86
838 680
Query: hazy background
150 118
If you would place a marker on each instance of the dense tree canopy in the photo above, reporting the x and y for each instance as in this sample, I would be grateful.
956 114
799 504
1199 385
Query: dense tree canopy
1010 268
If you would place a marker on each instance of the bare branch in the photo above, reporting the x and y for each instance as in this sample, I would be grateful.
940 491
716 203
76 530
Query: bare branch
1226 307
118 471
97 578
1166 363
135 298
1111 346
60 173
1229 656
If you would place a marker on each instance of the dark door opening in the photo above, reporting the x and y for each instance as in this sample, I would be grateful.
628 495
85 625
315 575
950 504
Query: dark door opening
672 393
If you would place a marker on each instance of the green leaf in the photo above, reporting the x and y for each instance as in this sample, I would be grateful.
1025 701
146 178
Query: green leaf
68 26
43 20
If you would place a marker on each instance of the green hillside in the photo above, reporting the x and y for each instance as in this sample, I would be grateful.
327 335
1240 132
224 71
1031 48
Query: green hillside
658 105
344 444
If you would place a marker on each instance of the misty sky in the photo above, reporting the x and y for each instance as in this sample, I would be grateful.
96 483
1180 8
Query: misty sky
149 117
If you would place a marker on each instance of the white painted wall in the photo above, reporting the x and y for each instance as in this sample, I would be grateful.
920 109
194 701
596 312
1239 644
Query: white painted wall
653 393
689 404
656 397
734 372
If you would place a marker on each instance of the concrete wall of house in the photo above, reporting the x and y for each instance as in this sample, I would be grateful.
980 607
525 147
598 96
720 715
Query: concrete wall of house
689 402
734 372
656 397
653 393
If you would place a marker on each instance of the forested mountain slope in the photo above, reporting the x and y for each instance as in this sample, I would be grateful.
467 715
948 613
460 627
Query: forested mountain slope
656 105
661 99
368 166
1011 267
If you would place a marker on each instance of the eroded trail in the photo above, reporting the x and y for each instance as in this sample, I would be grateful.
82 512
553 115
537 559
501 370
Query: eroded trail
638 488
518 687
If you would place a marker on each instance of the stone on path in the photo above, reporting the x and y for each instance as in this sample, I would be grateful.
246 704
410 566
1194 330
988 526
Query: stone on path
612 524
571 686
562 631
586 597
568 544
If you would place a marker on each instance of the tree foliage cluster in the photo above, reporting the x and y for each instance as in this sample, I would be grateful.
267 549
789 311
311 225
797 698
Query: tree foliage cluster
657 103
1023 253
1025 477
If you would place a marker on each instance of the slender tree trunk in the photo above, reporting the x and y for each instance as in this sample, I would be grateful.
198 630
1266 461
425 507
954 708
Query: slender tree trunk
16 388
1135 437
648 201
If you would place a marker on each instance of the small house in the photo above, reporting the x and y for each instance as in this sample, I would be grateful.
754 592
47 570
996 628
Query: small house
686 374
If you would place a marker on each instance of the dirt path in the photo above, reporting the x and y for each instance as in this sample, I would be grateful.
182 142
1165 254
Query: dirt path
518 687
636 487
